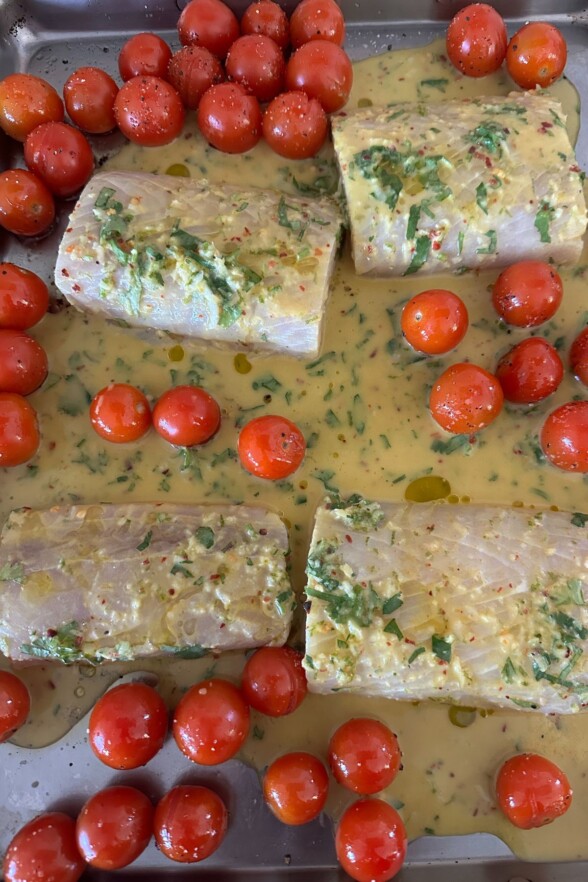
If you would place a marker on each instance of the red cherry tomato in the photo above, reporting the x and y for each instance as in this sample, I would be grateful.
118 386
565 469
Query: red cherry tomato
120 413
364 755
532 791
114 827
190 823
144 55
465 398
15 704
61 156
89 95
530 371
192 71
27 101
274 681
23 362
317 20
477 40
128 725
44 850
24 297
26 205
229 118
536 55
564 437
211 722
434 321
19 430
578 354
295 126
258 64
271 447
527 294
267 18
371 841
186 416
295 787
323 71
149 111
208 23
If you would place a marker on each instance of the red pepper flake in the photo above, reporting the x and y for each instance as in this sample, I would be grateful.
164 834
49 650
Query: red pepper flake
65 272
348 538
76 288
436 246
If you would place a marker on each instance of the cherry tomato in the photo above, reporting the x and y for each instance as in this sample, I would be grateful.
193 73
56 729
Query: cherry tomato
530 371
128 725
295 787
527 293
564 437
532 791
120 413
258 64
23 362
434 321
61 156
27 101
465 398
149 111
208 23
114 827
371 841
19 430
229 118
271 447
274 681
323 71
15 704
190 823
364 755
295 126
211 722
144 55
192 71
477 40
89 95
267 18
317 20
26 205
44 850
536 55
578 354
24 297
186 416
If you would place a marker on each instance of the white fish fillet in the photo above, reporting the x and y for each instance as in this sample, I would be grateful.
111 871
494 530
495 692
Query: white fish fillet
117 582
247 267
473 604
480 182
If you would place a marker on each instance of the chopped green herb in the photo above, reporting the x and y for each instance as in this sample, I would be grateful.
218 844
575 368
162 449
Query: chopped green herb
488 136
392 604
439 83
12 572
195 650
325 476
460 238
205 536
146 542
543 220
456 442
414 215
393 628
579 519
268 382
258 733
182 570
421 254
62 644
441 648
414 655
508 671
298 224
482 197
492 241
104 197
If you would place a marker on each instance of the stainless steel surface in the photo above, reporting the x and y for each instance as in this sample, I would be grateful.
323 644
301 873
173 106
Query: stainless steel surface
51 38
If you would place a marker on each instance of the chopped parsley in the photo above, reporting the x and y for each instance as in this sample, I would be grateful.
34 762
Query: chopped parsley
12 572
205 536
441 648
146 541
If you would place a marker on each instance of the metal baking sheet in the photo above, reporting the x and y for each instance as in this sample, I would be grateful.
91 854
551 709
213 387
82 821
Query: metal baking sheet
51 38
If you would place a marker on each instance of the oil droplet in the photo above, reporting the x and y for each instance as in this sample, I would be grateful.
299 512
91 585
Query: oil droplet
303 485
453 499
462 717
176 353
87 671
465 499
242 363
427 488
365 102
79 692
178 170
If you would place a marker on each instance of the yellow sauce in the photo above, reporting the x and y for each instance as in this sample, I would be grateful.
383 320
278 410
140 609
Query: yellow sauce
363 409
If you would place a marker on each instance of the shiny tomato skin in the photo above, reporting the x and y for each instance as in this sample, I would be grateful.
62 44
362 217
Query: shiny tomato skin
144 55
211 722
364 755
26 205
229 118
114 827
530 371
128 725
44 850
532 791
578 355
208 23
27 101
15 704
271 447
269 19
564 437
274 681
149 111
258 64
295 126
89 95
295 787
465 398
61 156
19 430
23 362
190 823
317 20
477 40
536 55
24 297
323 71
192 70
120 413
371 841
527 293
434 321
186 416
